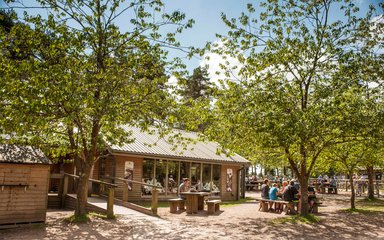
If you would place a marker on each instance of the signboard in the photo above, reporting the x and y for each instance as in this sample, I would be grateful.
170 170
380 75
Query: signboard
229 179
128 173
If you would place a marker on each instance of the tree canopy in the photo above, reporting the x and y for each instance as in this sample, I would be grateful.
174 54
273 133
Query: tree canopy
294 92
85 76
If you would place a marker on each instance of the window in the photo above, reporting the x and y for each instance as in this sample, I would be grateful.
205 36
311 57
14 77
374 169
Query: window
161 173
173 175
207 173
195 175
148 173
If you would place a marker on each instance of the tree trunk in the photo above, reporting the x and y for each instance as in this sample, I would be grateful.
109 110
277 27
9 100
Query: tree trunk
352 192
303 195
82 190
371 188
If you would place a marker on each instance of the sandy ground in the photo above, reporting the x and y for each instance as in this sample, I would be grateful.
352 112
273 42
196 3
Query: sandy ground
242 221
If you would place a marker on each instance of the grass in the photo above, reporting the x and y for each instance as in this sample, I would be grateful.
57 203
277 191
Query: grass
367 206
165 204
309 219
78 219
87 217
237 202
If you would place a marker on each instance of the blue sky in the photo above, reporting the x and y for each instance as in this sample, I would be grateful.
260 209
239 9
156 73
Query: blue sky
206 14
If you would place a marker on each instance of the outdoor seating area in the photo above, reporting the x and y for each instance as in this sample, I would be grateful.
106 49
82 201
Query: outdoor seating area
278 206
176 204
213 206
193 202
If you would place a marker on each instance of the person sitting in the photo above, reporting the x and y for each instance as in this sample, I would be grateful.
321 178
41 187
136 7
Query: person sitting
264 192
273 196
311 197
290 192
283 186
332 186
184 187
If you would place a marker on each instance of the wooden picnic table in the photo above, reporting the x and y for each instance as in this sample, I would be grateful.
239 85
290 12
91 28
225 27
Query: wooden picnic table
194 201
321 188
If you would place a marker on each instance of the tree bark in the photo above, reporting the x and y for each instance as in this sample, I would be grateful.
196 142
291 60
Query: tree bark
352 191
82 189
303 195
371 192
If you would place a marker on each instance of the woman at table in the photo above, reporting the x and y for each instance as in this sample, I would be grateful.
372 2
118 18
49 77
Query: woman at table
283 186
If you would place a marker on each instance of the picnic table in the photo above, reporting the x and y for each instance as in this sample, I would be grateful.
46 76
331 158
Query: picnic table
194 201
322 187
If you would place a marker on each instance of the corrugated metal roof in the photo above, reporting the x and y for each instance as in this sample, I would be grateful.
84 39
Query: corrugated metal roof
151 144
22 154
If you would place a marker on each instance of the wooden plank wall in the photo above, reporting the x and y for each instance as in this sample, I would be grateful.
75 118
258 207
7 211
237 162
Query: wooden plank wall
135 194
20 204
223 183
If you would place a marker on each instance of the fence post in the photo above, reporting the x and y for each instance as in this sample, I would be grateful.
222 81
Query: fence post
111 195
346 186
154 201
125 192
377 188
64 191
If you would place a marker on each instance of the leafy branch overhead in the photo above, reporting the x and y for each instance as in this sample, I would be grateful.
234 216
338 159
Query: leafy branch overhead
303 83
72 78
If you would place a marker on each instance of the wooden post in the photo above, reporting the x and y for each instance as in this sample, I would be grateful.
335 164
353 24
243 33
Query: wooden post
346 186
377 188
61 185
154 201
65 191
111 195
125 192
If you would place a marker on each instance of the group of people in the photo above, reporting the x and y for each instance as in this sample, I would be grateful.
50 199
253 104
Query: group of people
288 191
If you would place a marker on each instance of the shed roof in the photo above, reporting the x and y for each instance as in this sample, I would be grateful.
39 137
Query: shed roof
21 154
152 145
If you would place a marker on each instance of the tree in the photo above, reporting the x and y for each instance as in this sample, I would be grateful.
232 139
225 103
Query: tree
347 156
294 64
196 86
86 77
195 93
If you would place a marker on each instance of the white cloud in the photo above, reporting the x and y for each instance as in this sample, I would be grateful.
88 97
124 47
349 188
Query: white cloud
215 63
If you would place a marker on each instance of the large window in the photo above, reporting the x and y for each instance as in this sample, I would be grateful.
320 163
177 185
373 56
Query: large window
173 175
207 173
161 173
169 174
184 170
216 173
195 176
148 173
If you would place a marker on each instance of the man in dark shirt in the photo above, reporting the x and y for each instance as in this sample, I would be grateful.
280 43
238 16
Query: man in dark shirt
290 192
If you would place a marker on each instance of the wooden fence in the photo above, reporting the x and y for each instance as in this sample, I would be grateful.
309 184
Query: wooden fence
60 184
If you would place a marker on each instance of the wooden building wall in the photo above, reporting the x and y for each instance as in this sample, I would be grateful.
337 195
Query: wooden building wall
226 195
135 194
23 192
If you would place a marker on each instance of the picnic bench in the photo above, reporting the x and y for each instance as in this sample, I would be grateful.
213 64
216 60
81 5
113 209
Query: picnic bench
288 207
176 204
321 188
213 205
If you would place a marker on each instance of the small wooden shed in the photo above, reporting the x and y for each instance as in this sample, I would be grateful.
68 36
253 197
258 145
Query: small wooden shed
24 180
